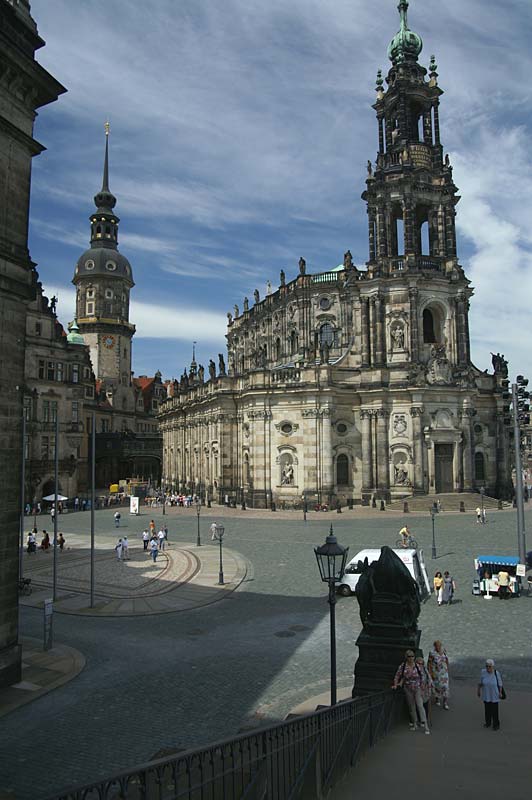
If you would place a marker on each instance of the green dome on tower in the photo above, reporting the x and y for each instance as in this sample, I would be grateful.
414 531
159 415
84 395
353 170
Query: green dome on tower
74 336
405 45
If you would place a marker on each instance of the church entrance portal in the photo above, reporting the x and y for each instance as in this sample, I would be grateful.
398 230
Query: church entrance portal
444 467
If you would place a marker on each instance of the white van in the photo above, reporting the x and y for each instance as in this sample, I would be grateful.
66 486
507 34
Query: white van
412 559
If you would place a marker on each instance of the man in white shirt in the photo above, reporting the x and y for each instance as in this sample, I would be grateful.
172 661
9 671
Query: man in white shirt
160 537
118 549
145 537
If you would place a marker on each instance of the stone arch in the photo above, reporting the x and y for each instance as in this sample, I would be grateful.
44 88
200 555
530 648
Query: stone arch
434 318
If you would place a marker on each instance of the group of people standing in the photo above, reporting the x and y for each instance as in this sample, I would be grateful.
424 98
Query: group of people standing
423 684
153 542
444 587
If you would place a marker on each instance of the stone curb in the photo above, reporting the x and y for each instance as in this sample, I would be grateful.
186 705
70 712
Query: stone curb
51 668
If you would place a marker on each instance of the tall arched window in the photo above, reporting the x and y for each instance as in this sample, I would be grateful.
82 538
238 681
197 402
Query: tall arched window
429 331
327 334
480 472
342 470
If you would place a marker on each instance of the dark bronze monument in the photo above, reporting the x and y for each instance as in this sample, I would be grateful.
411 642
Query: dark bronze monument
389 607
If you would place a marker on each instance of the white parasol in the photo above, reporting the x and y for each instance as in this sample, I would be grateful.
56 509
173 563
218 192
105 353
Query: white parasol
51 497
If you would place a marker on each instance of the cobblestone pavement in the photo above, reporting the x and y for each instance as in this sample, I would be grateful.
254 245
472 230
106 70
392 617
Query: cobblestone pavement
178 680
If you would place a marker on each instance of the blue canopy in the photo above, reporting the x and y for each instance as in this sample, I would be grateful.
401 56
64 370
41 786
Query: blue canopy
507 561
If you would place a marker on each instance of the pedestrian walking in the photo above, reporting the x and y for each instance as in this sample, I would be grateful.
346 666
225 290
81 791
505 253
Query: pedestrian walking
145 538
438 665
76 504
117 519
479 515
154 549
490 690
438 586
449 588
165 529
426 686
152 528
410 678
61 541
45 543
118 550
484 520
161 539
52 512
125 549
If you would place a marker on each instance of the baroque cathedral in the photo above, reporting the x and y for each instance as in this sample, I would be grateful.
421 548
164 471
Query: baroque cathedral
355 383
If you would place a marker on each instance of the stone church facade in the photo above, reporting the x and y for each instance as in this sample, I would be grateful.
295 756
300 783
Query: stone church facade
355 383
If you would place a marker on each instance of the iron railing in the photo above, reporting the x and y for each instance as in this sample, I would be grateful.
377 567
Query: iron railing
302 758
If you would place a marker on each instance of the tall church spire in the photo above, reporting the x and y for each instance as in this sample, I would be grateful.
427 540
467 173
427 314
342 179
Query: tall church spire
104 223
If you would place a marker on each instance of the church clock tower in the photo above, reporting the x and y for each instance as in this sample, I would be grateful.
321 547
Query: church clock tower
103 280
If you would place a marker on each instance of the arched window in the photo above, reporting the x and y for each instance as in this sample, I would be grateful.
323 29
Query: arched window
424 238
429 332
293 343
480 472
342 470
327 334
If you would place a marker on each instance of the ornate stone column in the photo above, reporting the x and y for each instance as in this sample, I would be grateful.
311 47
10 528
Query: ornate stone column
372 331
382 246
367 454
414 334
364 321
416 412
461 333
467 433
371 234
383 455
378 329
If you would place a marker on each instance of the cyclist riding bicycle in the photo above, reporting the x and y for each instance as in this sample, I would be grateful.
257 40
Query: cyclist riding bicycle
405 534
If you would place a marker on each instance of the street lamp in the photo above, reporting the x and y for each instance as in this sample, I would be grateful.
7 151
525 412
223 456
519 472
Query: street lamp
331 558
217 536
198 512
433 517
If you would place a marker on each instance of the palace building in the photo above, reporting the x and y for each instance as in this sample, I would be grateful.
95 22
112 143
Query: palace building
357 382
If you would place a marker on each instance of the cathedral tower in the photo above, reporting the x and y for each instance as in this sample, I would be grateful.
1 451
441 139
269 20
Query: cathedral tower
103 281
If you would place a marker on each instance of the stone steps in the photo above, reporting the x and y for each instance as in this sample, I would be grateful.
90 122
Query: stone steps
449 502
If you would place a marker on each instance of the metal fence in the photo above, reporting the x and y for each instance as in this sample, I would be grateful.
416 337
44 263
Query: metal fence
302 758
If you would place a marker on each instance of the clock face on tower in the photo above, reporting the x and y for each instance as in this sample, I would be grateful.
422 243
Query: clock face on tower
108 341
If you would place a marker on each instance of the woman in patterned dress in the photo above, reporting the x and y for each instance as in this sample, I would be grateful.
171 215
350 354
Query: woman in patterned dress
439 672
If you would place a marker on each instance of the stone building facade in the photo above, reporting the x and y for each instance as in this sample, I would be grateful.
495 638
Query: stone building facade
356 383
24 87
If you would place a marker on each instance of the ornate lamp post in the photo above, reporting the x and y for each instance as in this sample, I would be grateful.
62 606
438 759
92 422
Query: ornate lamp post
331 558
198 512
433 517
217 536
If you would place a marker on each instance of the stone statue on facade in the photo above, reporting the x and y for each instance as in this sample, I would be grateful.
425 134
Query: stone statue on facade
348 260
500 365
398 338
229 318
287 477
185 380
302 266
221 364
236 311
400 475
212 370
268 287
256 296
246 304
282 278
53 305
201 373
439 370
370 170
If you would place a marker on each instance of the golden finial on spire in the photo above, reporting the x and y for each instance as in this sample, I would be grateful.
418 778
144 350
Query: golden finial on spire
107 128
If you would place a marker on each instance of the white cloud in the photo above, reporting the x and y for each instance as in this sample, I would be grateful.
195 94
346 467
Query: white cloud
154 321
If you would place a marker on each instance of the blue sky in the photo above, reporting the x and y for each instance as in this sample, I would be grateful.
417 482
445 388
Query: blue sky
240 131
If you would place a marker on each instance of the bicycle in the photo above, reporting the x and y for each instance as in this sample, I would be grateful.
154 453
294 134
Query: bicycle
410 542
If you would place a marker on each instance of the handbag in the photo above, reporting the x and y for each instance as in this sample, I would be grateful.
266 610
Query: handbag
501 689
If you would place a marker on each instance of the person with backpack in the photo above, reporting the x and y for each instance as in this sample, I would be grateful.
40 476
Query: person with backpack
409 677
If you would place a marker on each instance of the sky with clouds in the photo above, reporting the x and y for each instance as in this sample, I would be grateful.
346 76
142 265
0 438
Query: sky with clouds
240 131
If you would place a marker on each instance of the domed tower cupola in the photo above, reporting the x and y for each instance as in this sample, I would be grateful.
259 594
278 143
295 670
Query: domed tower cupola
104 223
405 45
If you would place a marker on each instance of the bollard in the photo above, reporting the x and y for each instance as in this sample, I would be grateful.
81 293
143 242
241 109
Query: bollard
462 506
338 507
405 508
499 505
243 506
272 507
374 502
350 503
383 507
